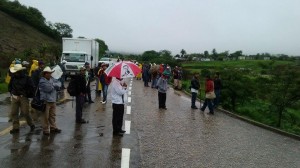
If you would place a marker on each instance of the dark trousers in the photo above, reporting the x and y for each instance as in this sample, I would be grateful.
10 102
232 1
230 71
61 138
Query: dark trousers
79 107
162 100
88 94
194 96
208 102
217 99
117 119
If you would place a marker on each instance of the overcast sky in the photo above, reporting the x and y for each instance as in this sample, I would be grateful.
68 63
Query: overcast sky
253 26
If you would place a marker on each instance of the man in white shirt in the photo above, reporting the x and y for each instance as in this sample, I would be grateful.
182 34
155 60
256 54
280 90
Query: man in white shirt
119 88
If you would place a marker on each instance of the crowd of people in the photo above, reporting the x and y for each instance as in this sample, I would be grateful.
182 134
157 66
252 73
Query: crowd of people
24 84
159 76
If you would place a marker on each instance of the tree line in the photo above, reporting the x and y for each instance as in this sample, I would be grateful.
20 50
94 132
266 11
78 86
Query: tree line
34 18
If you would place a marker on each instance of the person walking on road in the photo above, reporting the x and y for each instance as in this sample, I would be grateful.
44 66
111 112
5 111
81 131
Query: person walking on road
48 87
118 90
209 89
217 87
162 85
195 86
21 88
81 91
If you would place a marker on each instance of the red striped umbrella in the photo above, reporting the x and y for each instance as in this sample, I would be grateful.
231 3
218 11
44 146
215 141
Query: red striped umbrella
123 69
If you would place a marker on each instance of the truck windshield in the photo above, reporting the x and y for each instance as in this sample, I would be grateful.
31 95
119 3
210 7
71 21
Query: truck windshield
74 57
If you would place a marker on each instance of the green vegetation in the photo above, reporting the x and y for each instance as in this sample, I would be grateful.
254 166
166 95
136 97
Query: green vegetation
265 91
34 18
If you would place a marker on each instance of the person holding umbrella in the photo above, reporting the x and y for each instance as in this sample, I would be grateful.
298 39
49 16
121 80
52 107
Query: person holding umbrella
120 70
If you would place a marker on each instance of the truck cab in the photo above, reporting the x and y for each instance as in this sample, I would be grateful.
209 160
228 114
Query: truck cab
74 60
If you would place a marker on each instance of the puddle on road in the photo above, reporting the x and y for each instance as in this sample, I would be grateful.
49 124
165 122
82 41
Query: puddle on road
3 119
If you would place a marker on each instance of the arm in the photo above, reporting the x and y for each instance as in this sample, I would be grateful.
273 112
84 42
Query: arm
46 87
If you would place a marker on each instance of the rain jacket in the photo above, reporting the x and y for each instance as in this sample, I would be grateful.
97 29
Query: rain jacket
48 89
34 66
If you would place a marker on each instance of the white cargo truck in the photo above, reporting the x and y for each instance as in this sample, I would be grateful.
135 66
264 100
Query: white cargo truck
77 51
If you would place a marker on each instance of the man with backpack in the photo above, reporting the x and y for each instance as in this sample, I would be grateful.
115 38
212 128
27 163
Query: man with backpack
21 88
77 87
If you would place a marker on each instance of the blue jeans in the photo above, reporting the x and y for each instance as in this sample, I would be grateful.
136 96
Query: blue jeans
217 99
154 80
104 90
208 102
194 96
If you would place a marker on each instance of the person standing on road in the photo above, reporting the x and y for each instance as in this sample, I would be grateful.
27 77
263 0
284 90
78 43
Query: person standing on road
105 81
21 88
98 84
48 87
209 87
81 91
89 77
217 87
119 88
162 85
175 77
63 76
180 76
36 74
195 86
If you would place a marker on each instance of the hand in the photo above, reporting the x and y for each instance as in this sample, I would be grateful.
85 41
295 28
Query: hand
124 85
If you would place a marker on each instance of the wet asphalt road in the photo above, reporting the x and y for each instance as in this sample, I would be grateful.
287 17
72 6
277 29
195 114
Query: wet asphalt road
176 137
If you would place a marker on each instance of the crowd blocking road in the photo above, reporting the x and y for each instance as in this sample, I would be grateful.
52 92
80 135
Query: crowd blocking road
176 137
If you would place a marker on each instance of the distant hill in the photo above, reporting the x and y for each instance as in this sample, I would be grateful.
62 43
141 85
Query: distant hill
18 39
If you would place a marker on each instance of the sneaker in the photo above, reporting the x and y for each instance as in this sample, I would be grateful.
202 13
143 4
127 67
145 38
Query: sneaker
32 127
56 130
14 131
103 102
201 109
91 102
211 113
194 107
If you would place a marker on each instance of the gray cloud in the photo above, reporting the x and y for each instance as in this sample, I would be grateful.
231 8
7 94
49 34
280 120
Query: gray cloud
253 26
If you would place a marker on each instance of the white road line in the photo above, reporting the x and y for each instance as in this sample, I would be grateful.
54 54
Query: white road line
130 84
129 93
130 88
128 111
129 99
125 158
127 126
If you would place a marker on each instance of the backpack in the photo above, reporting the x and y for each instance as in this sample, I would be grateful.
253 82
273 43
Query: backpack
72 87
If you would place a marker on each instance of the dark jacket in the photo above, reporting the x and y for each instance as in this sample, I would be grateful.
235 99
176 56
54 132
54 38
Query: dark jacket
36 76
81 84
195 84
217 83
22 85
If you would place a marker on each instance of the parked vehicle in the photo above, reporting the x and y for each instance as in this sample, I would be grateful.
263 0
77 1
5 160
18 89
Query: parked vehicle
78 51
106 60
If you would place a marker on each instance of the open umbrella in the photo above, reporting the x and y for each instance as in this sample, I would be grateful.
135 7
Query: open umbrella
123 69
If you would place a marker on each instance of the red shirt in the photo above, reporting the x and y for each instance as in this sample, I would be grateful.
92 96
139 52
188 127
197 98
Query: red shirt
209 85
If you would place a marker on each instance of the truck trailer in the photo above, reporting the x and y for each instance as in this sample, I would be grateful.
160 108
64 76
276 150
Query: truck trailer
76 52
